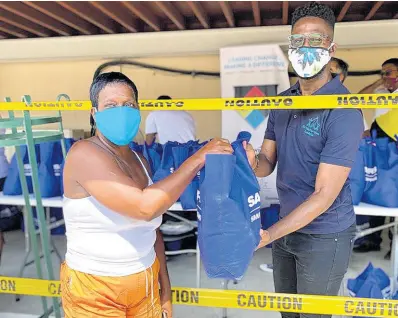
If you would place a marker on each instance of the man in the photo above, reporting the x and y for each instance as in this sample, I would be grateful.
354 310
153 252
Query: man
315 149
385 125
169 125
340 68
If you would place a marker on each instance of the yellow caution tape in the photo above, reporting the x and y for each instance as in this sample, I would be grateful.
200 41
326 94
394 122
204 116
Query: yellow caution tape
364 101
309 304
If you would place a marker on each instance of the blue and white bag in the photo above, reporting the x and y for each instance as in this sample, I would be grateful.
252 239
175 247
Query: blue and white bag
229 219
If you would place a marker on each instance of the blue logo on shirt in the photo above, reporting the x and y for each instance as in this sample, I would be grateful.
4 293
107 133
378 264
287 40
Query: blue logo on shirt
312 127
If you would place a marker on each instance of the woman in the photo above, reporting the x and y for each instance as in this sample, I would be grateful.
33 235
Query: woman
115 253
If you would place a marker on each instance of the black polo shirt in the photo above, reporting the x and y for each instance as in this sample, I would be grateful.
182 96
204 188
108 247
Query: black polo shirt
306 138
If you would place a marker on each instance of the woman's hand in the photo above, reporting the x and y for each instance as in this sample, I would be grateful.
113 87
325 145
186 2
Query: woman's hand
214 146
165 301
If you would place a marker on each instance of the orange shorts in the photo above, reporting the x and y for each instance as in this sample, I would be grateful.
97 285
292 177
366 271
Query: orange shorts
85 295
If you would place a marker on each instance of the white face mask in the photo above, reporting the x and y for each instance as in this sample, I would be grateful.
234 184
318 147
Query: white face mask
308 61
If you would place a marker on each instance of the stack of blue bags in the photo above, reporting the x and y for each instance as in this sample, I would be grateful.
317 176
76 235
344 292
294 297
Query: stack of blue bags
50 163
165 159
371 283
374 176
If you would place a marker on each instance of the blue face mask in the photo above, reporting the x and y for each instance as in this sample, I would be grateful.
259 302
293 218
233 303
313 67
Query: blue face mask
119 124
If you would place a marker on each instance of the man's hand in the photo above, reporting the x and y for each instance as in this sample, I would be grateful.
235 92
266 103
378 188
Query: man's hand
265 239
165 301
250 153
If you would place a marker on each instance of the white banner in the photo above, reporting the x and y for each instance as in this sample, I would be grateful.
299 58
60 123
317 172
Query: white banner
252 71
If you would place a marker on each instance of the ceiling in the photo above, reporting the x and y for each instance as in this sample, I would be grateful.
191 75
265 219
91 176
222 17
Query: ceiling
43 19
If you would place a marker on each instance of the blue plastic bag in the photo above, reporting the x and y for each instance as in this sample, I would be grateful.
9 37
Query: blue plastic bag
371 283
12 184
166 167
357 175
51 159
229 218
188 197
153 154
68 144
269 216
136 147
381 173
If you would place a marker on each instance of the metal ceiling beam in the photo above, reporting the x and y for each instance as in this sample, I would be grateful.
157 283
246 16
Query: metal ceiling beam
229 15
141 12
117 13
12 30
285 12
200 14
91 15
374 9
343 11
256 13
53 10
23 24
172 13
26 12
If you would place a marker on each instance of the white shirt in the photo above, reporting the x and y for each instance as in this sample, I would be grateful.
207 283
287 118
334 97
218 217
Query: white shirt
105 243
171 125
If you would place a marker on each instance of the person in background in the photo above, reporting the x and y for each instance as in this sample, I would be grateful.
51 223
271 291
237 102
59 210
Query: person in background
385 125
115 260
169 125
315 150
3 174
339 67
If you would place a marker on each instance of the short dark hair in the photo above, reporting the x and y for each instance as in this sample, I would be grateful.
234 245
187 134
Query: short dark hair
164 97
391 61
100 82
314 9
104 79
342 65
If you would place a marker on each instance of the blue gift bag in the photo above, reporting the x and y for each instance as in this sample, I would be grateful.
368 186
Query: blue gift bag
136 147
153 154
12 184
371 283
166 167
381 173
269 216
51 159
229 219
357 174
188 197
68 144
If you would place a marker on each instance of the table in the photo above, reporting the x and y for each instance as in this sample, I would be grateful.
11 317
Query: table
361 209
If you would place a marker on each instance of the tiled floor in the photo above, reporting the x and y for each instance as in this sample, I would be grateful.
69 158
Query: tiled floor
182 271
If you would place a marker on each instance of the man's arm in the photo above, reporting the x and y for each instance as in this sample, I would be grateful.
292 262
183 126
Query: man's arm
372 87
265 162
164 279
343 134
329 182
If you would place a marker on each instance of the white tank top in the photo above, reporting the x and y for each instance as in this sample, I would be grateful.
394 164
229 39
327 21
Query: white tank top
105 243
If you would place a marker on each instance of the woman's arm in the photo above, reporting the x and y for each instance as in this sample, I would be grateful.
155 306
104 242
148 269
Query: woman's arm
164 279
98 174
